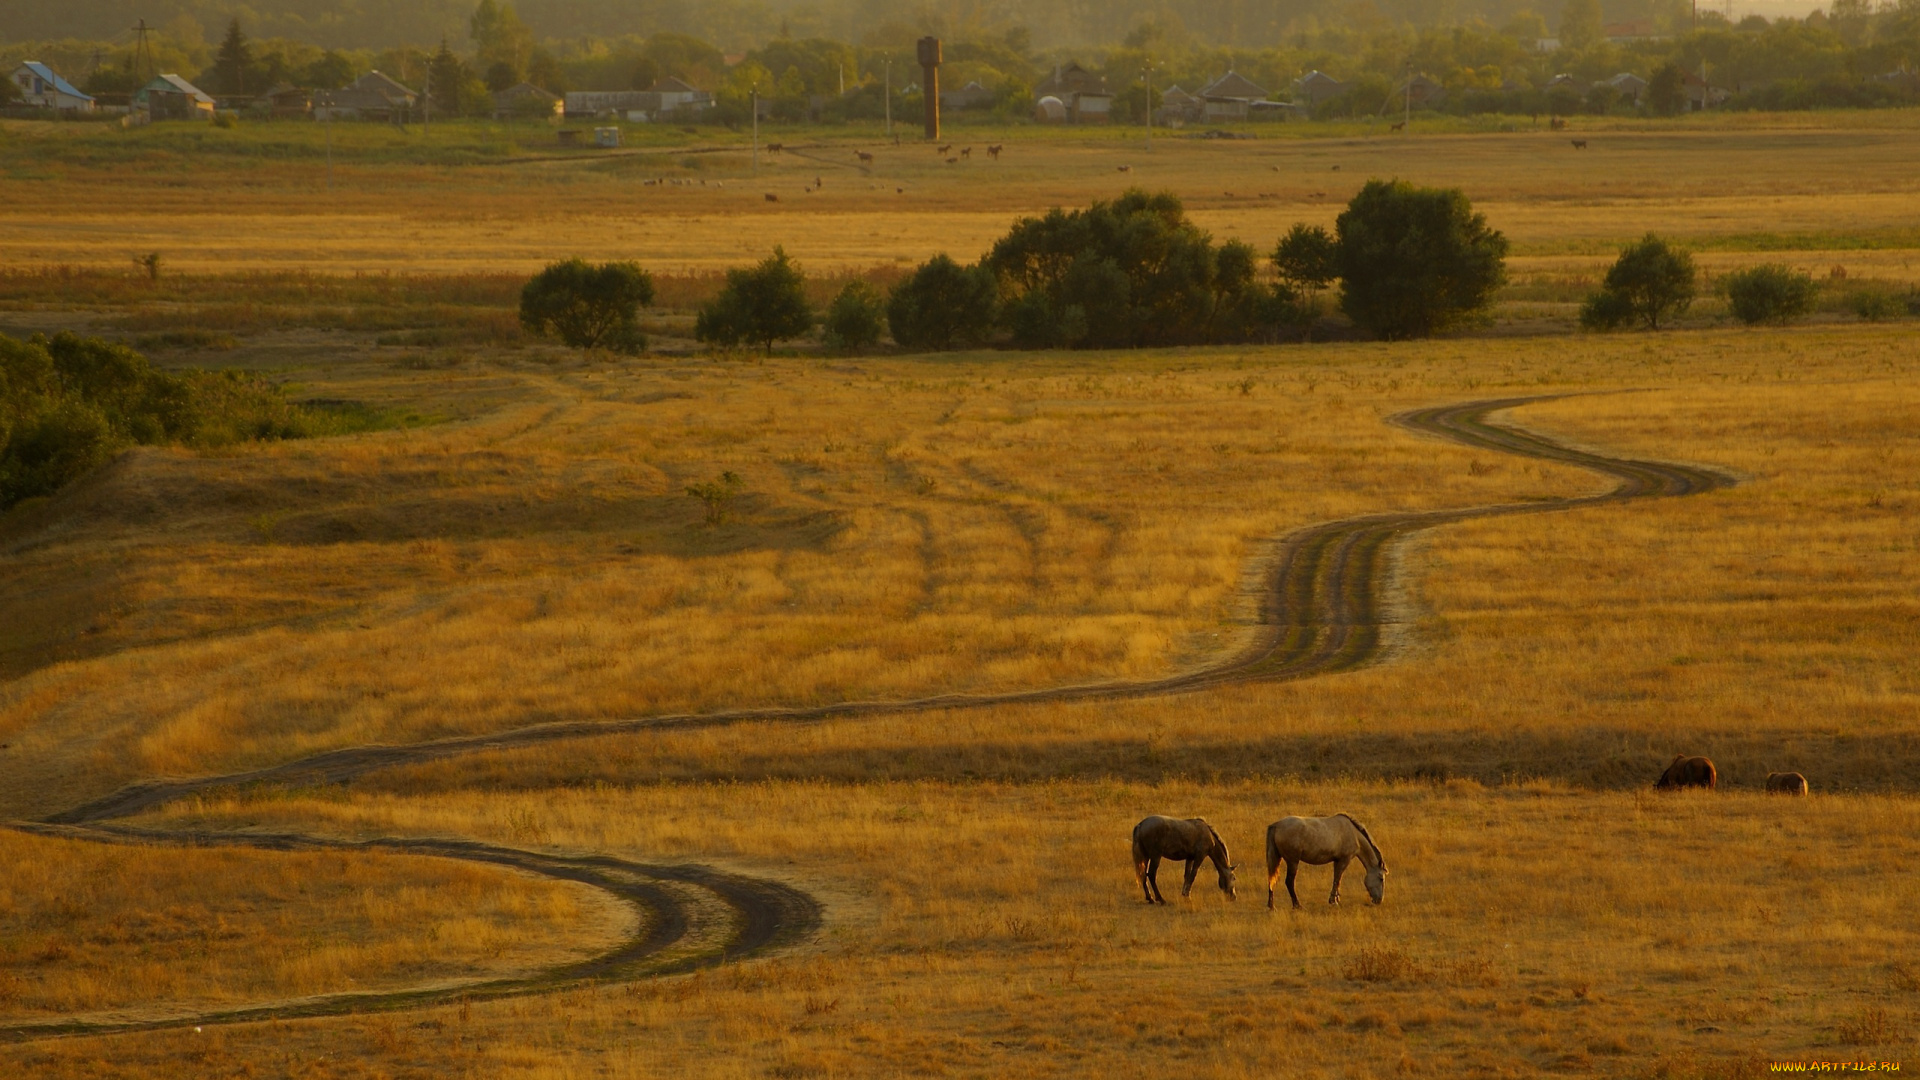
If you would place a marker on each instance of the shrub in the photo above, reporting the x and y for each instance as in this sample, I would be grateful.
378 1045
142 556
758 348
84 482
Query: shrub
759 305
1413 261
1770 294
855 318
1649 282
588 306
943 304
1877 304
1133 271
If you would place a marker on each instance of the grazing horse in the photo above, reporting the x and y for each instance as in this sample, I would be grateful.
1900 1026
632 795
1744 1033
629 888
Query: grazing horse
993 152
966 152
1579 144
1786 783
865 158
1689 772
943 149
1401 126
1189 840
1318 841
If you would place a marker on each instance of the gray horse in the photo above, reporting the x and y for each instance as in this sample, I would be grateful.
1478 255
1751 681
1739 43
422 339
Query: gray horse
1190 840
1318 841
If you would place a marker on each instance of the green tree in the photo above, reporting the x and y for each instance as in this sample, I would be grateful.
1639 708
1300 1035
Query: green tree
1580 24
760 304
503 45
943 304
1649 282
588 306
1415 260
331 71
856 317
233 65
1770 294
450 82
1667 90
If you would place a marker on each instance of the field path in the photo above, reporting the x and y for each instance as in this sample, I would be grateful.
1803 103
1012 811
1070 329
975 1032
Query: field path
1319 613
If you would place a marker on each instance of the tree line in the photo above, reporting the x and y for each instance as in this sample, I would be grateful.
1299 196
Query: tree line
1123 273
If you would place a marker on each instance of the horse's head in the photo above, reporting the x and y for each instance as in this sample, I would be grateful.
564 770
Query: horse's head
1377 882
1223 863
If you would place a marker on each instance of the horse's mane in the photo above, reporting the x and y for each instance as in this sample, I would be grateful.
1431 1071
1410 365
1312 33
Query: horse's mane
1221 844
1368 837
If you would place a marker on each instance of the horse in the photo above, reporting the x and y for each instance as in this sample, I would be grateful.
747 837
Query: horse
943 149
865 158
966 152
1786 783
1401 126
1689 772
1189 840
1579 144
993 152
1318 841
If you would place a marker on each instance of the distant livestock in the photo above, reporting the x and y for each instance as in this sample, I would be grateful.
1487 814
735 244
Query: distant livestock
1317 841
993 152
771 197
1579 144
865 158
1786 783
1686 772
1188 840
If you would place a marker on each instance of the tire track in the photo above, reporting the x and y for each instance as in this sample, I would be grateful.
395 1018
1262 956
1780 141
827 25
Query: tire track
1319 613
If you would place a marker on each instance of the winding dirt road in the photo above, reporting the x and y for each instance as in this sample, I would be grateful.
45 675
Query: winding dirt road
1320 612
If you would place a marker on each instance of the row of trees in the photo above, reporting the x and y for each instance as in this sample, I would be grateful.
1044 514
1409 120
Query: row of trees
1129 272
1653 282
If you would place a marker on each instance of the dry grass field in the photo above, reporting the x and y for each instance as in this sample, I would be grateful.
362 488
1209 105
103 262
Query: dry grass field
524 552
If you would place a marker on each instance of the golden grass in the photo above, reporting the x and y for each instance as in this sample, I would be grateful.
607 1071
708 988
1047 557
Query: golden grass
996 930
143 931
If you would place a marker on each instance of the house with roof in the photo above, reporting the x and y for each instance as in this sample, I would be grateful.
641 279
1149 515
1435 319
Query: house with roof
1177 106
1702 94
285 102
352 104
1316 87
971 96
527 101
170 97
400 96
1227 97
1080 96
1420 92
1631 88
42 87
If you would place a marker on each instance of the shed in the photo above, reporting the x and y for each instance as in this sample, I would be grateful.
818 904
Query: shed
287 102
971 96
170 97
527 100
1629 86
42 87
1317 86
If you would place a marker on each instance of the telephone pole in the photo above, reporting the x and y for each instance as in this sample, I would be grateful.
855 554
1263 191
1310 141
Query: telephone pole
753 100
142 51
887 96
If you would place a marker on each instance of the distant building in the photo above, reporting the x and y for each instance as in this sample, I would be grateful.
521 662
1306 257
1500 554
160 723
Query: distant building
43 88
1626 33
1082 95
665 96
526 100
398 95
1177 106
372 96
971 96
1420 92
1701 94
1629 86
170 97
1316 87
286 102
1227 97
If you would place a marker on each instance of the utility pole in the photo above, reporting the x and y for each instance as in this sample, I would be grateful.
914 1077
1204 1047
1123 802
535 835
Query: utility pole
1148 76
887 96
143 51
753 98
329 150
1407 115
426 126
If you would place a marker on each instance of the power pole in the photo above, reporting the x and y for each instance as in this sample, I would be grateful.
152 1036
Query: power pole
887 96
754 100
1407 115
143 52
329 150
1149 78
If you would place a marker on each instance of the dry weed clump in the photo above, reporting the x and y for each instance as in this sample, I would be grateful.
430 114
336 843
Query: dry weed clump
1377 964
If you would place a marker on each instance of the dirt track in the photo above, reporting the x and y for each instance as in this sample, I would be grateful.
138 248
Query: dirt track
1319 613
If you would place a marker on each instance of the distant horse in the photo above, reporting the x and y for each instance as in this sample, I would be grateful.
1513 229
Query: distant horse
943 149
1318 841
865 158
966 152
993 152
1689 772
1401 126
1578 144
771 197
1786 783
1189 840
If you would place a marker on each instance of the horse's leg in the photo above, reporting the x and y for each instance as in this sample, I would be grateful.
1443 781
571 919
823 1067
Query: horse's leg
1193 871
1293 867
1153 879
1339 867
1140 872
1273 875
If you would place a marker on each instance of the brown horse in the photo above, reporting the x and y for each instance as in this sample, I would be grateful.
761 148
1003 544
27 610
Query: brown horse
1786 783
1318 841
1688 772
1190 840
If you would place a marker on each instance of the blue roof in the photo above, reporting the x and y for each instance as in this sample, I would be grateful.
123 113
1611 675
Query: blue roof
49 75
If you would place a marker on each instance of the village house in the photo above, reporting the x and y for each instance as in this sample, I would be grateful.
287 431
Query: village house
399 96
971 96
1631 88
1177 106
1072 93
170 97
1316 87
527 101
43 88
372 96
1228 97
1420 92
664 97
286 102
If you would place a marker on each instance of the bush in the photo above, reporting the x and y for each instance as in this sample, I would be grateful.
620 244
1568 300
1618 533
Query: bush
1649 282
760 304
943 304
855 318
69 404
1770 294
588 306
1413 261
1877 304
1130 272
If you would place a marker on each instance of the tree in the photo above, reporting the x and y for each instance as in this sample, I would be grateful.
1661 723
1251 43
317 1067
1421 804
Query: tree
1667 90
10 93
331 71
1580 24
1770 294
1306 261
233 66
501 41
448 79
943 304
1648 283
588 306
760 304
1415 260
855 318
